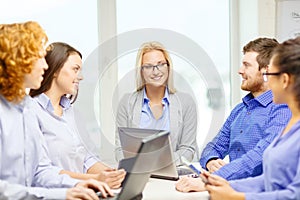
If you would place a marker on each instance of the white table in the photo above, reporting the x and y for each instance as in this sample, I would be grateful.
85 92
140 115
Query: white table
159 189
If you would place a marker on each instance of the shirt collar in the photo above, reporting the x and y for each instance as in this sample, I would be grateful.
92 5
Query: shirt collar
165 99
45 102
264 99
20 105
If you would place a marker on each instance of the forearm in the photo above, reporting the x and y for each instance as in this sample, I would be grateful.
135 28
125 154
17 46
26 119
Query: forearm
97 168
79 176
15 191
252 184
217 148
187 152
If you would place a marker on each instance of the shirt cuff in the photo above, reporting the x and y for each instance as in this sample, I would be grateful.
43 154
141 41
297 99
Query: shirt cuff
54 193
89 163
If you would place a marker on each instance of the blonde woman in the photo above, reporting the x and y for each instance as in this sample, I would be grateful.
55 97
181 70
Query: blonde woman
157 105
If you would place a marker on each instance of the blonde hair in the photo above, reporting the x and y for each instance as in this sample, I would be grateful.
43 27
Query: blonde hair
145 48
21 45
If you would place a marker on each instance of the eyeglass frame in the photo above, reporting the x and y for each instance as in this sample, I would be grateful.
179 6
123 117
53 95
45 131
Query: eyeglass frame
266 74
158 66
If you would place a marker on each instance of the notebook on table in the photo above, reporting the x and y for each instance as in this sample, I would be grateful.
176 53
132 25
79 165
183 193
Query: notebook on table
130 139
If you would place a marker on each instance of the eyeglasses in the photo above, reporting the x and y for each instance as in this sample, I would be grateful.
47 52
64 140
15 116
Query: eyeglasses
159 66
266 74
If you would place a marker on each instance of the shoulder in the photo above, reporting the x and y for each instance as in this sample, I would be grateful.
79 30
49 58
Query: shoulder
131 97
239 108
182 97
4 107
279 108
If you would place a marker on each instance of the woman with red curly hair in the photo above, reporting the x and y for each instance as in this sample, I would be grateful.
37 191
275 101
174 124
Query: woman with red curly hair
25 166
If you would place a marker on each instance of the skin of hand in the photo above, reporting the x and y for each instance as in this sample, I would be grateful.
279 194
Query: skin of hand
219 188
190 184
96 186
81 193
214 165
112 177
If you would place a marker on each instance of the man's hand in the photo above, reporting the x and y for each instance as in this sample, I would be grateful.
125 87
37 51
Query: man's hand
96 186
112 177
214 165
189 184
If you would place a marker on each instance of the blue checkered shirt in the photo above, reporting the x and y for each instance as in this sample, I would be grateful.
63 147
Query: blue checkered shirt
247 132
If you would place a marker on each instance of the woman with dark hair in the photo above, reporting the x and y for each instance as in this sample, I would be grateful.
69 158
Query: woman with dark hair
57 120
281 162
25 166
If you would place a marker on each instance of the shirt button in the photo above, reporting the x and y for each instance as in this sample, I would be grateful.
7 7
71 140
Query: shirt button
241 131
238 149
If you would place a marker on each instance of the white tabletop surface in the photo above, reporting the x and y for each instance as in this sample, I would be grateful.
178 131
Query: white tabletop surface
159 189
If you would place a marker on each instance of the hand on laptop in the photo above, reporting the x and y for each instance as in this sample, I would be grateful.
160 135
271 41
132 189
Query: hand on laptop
86 190
190 184
112 177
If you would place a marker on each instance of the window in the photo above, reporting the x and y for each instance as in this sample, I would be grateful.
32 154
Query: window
204 26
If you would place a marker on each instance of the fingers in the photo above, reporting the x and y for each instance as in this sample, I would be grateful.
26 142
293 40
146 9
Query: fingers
114 173
210 188
215 165
96 185
188 184
217 180
104 189
183 184
115 178
78 193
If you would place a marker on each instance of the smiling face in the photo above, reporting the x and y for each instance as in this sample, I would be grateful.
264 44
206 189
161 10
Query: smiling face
252 79
159 75
67 80
34 79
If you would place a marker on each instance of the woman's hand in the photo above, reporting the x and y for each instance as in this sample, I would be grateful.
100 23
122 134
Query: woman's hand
219 188
88 187
112 177
76 193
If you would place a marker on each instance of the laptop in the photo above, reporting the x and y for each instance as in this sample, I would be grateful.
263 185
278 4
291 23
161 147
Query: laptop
138 173
130 139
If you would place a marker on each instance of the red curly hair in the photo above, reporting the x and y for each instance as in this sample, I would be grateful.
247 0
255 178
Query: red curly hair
21 45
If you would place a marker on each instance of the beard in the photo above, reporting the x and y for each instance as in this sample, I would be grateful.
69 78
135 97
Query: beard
253 86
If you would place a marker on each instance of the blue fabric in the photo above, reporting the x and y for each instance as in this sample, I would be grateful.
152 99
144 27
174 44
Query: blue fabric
23 157
62 132
147 119
281 166
247 132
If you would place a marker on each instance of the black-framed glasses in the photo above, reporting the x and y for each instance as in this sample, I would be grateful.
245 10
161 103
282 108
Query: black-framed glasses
159 66
266 74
